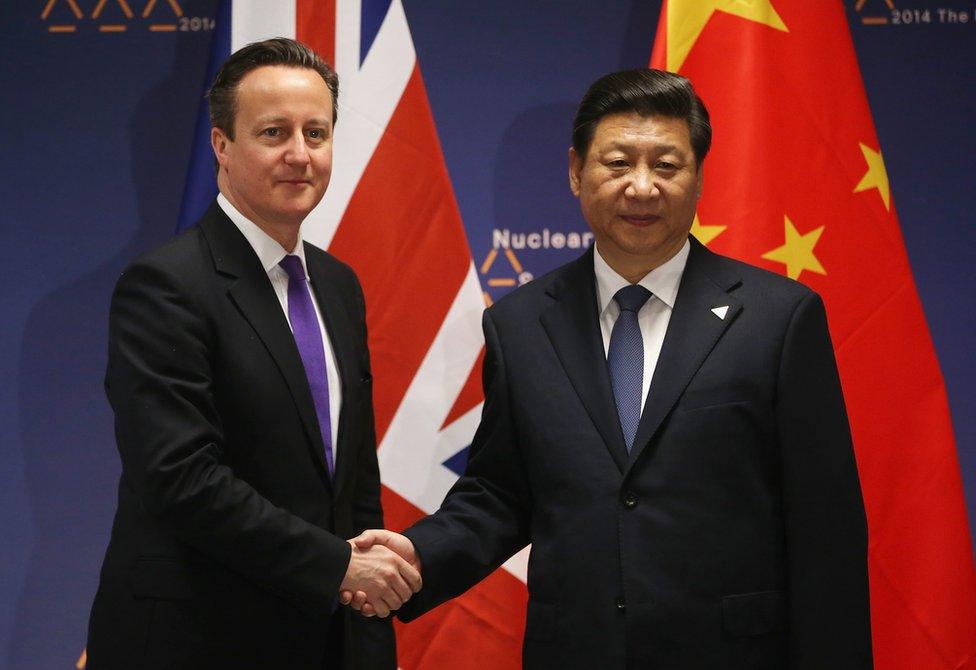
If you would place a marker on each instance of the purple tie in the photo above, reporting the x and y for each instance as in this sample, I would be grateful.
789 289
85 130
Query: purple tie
308 337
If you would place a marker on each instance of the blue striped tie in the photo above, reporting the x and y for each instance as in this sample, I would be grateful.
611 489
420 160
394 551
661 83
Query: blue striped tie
625 359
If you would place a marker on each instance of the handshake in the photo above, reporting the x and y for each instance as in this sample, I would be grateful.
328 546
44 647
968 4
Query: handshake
383 572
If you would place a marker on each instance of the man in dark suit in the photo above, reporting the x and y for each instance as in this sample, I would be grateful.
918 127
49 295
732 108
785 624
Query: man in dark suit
665 426
240 380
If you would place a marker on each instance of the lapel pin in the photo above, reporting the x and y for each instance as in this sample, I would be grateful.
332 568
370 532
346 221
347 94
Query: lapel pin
720 312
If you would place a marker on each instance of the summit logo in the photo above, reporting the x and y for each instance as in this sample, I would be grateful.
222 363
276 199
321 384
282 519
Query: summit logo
885 13
120 16
503 238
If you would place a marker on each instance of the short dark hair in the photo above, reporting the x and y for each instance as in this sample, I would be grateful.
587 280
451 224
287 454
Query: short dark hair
276 51
647 92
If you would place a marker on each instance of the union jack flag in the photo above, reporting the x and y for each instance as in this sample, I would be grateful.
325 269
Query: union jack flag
390 213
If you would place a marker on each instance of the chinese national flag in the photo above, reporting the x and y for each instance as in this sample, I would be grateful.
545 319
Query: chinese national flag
796 183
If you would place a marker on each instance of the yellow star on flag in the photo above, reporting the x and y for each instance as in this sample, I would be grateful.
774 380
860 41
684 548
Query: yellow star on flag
687 19
797 253
705 234
876 176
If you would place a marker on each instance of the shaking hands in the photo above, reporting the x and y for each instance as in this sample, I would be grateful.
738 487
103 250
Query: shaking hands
383 572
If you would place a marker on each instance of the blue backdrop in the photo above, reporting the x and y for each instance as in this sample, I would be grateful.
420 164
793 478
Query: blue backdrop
97 124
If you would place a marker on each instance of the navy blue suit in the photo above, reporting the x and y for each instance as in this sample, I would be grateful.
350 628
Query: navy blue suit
733 535
227 549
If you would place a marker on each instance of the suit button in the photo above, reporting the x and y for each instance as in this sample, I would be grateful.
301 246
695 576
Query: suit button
630 500
621 605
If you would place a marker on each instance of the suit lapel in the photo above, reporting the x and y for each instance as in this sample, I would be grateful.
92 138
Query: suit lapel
692 333
573 326
340 332
252 293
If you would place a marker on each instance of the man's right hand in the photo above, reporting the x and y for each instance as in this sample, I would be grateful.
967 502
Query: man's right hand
359 600
386 579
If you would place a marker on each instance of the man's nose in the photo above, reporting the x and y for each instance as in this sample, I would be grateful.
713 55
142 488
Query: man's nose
642 184
296 153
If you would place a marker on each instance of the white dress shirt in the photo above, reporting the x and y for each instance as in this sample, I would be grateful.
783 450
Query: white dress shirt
653 317
270 253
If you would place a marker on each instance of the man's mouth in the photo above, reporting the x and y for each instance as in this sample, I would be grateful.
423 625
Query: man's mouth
641 219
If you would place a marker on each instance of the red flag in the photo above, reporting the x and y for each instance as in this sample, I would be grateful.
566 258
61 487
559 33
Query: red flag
796 183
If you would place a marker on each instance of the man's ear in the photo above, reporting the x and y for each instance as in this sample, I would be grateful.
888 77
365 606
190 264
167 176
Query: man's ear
698 185
219 140
575 168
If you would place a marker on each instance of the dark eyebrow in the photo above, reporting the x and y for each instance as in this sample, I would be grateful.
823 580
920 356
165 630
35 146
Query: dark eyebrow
262 120
664 148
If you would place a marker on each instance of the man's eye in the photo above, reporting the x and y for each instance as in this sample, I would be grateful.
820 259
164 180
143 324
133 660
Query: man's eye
316 133
664 165
272 132
618 163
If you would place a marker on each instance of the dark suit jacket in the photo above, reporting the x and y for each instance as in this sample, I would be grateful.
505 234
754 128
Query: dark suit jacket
733 536
227 548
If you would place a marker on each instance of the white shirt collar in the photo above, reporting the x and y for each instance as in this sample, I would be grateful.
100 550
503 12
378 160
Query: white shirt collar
662 281
268 250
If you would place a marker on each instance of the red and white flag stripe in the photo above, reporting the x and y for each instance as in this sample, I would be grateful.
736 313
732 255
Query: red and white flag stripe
390 212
